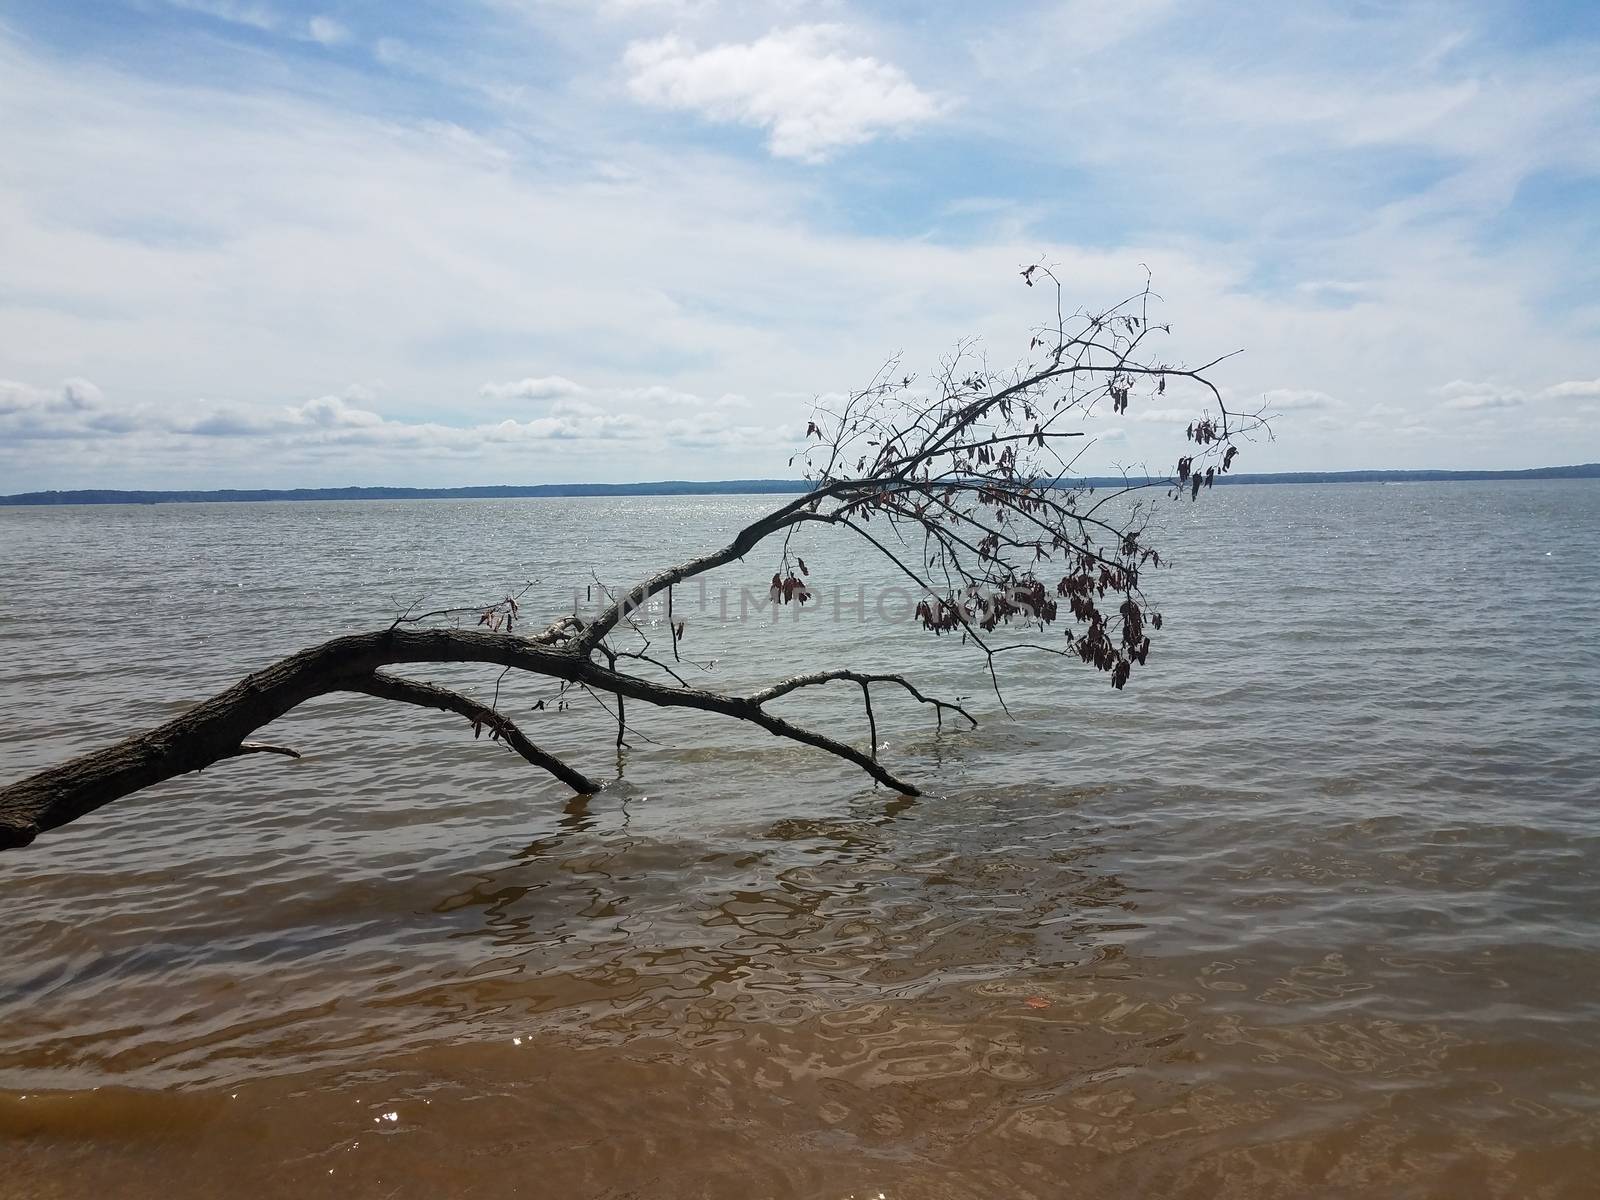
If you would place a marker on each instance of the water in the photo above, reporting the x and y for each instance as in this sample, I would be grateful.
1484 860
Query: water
1313 908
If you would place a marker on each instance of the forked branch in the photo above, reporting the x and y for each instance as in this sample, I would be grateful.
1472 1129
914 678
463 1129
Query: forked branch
217 728
499 726
959 484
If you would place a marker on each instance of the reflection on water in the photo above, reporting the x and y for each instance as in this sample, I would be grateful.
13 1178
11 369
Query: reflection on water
1294 940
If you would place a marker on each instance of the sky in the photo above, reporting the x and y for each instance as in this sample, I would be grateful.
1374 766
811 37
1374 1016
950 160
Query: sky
273 243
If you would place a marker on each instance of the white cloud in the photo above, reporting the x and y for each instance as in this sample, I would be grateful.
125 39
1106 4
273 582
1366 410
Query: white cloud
1487 401
1305 119
1164 416
656 396
236 12
1575 387
36 411
326 31
1464 395
1458 388
675 8
545 387
332 412
799 84
728 439
77 412
323 29
22 398
1352 115
1298 400
1048 36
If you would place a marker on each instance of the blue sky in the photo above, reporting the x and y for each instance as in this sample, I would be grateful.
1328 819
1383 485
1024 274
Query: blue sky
278 243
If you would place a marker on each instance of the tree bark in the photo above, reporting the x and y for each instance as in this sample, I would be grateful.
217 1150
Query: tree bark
217 728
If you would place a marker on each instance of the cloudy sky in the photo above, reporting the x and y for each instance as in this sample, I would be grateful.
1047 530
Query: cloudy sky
279 243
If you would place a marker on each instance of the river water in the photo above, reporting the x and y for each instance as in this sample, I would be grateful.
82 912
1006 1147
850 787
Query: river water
1312 908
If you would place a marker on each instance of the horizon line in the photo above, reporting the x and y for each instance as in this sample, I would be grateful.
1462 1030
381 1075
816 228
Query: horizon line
686 487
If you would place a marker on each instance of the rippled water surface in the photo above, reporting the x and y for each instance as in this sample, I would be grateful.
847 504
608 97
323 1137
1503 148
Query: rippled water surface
1313 908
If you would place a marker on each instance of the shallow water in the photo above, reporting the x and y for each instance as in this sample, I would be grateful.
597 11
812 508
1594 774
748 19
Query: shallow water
1313 908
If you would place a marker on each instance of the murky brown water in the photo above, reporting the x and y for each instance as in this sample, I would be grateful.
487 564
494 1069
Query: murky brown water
1310 910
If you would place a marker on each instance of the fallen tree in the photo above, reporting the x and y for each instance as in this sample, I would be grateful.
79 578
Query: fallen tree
963 485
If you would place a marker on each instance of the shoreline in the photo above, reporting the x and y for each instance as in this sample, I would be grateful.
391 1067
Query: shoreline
712 487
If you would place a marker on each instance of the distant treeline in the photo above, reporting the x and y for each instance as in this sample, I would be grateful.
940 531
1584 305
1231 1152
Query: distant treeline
716 487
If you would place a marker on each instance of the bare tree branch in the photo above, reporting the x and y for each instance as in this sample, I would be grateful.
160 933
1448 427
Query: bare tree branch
501 728
957 482
244 748
216 729
794 683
